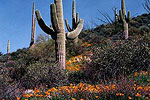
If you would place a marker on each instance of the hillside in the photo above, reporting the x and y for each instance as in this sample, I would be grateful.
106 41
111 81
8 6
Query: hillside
101 58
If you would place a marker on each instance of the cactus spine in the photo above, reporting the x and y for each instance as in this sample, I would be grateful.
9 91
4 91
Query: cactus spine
124 19
32 43
75 22
57 30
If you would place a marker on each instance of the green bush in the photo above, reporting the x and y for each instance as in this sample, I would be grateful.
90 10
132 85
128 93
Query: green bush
144 29
3 85
134 31
42 73
77 77
123 57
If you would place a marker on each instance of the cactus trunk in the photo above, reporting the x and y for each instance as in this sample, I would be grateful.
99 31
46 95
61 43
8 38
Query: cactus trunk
125 29
61 52
56 30
32 43
75 41
8 50
61 35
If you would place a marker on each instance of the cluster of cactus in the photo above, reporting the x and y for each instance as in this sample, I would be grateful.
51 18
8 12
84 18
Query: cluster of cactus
57 30
75 21
32 43
123 18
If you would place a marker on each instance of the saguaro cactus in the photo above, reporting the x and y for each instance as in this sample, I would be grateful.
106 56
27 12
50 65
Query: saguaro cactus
124 19
75 22
57 30
32 43
116 15
8 47
8 50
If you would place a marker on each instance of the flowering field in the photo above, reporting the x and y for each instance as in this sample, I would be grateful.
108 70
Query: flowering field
82 91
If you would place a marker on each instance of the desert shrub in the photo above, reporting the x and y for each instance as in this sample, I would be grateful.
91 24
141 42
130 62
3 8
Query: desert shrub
43 50
18 54
3 84
72 50
78 77
139 20
22 57
1 53
123 57
42 73
91 37
144 29
17 73
134 31
5 81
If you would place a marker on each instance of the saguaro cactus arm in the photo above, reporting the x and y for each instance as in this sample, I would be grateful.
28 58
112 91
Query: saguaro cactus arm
120 16
123 7
42 24
116 15
73 34
77 24
77 18
67 25
54 18
128 17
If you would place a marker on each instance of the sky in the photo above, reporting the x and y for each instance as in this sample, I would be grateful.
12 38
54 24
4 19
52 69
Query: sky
16 17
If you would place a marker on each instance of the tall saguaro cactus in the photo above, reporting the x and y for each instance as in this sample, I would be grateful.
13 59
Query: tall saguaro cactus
8 50
32 43
75 22
116 17
8 47
124 19
57 30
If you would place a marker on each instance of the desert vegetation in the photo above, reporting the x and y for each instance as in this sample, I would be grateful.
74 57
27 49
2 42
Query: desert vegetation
108 62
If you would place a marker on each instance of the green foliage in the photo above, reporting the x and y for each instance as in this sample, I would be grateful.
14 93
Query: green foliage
42 73
122 57
142 78
77 77
43 50
109 30
144 29
71 51
3 85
